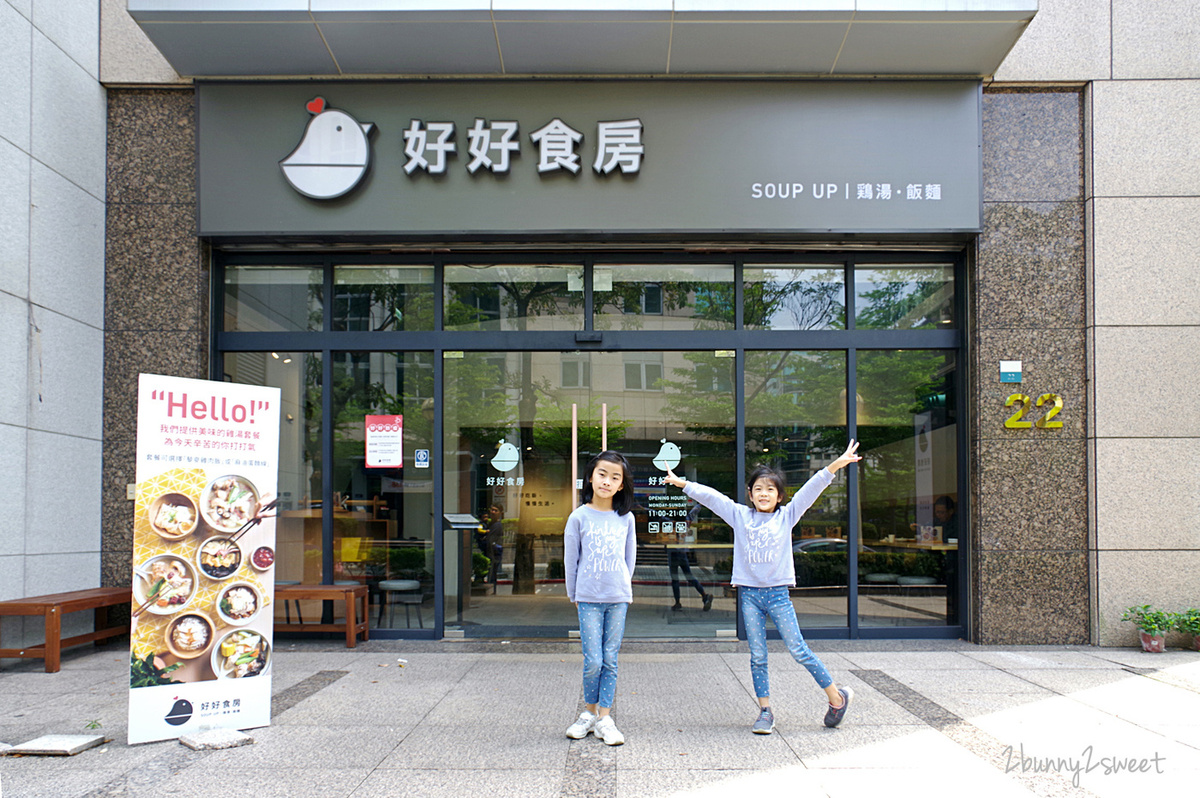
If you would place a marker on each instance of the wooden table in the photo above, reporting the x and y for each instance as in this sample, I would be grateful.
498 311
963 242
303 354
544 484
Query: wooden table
53 606
350 594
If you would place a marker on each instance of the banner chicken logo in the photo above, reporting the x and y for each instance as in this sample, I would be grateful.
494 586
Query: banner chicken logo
332 157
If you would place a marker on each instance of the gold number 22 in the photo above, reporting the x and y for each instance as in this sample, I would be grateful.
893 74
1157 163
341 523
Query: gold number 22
1015 420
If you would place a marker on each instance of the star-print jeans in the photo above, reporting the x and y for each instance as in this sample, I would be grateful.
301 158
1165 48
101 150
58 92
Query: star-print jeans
601 627
757 604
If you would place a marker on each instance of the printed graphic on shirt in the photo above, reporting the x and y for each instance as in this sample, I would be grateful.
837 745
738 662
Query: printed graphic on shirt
604 548
763 543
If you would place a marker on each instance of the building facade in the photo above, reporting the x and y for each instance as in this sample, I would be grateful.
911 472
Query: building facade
720 340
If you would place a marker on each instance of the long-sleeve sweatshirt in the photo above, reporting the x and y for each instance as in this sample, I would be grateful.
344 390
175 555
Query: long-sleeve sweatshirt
599 552
762 542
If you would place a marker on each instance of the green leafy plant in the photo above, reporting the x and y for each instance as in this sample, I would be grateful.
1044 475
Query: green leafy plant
480 563
144 673
1153 622
1188 621
93 724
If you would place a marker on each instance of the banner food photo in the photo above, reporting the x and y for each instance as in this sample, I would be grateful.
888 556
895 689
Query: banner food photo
203 557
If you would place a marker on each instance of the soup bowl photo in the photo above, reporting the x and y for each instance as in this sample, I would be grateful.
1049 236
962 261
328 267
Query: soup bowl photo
173 516
178 584
219 557
228 502
239 603
240 654
189 635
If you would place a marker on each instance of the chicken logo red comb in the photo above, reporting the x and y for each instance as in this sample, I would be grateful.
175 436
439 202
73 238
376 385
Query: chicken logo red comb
316 105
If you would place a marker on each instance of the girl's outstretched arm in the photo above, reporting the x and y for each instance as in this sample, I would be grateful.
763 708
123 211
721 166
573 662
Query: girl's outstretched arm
725 507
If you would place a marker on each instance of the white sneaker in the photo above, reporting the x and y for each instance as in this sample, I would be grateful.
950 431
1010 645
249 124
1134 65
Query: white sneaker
580 728
606 730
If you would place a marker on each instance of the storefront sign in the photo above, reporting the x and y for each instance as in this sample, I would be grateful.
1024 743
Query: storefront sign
384 441
698 157
203 557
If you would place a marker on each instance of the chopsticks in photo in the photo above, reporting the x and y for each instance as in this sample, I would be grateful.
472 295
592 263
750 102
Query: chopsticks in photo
262 513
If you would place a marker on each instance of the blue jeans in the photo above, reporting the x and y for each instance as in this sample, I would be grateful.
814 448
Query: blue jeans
757 604
601 627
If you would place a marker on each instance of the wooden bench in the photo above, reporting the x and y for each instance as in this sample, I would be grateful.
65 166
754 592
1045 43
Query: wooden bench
52 607
356 622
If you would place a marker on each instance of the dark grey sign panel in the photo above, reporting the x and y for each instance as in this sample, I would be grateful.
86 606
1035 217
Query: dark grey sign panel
698 158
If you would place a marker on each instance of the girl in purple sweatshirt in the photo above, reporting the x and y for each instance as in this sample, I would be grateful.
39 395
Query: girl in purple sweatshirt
763 570
599 551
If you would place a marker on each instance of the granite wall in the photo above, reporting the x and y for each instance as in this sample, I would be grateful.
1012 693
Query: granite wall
156 284
1030 558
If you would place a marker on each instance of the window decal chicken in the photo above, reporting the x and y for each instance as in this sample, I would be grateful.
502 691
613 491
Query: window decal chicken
333 155
668 456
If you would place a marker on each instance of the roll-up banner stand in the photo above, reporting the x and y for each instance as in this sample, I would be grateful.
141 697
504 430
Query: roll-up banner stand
201 646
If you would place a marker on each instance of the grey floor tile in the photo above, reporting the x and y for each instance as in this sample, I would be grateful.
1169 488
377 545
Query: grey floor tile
716 783
914 660
712 748
263 781
305 747
874 747
938 782
1049 658
517 746
453 783
60 783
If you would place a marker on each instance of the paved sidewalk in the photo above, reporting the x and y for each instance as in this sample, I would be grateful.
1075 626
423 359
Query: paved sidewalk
929 719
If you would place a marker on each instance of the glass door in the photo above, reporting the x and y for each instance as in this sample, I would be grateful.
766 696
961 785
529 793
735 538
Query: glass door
520 428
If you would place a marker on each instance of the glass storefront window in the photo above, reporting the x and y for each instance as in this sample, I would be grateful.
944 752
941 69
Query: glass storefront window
506 452
796 423
907 424
383 515
794 297
513 297
379 298
508 487
903 297
273 298
298 527
663 297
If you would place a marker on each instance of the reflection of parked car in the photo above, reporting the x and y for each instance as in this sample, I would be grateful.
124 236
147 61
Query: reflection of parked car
814 545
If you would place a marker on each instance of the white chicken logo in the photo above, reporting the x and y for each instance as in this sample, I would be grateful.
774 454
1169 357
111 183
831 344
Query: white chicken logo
333 155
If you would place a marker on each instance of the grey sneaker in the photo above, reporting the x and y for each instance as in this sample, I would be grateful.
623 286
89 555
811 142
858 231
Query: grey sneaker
765 723
580 728
834 715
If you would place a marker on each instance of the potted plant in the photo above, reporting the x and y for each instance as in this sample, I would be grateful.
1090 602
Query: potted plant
1152 624
1188 622
480 564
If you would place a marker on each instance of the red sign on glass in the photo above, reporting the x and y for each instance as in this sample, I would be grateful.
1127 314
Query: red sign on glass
385 441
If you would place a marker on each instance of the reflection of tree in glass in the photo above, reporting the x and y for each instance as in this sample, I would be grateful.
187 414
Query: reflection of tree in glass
552 431
896 386
380 306
484 305
807 300
627 300
701 398
916 298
